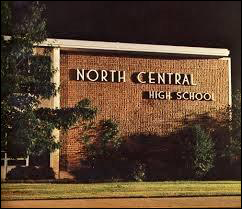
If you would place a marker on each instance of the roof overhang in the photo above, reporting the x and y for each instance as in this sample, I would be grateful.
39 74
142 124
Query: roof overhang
67 44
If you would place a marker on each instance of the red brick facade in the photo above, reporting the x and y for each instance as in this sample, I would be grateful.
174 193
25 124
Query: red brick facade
123 102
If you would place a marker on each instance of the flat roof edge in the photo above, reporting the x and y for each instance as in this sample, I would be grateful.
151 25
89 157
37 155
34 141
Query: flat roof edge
68 44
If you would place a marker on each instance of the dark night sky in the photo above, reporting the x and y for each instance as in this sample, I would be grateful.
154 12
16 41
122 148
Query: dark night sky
187 23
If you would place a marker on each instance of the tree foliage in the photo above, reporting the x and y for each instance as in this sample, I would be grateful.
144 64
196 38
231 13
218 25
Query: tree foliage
233 149
26 79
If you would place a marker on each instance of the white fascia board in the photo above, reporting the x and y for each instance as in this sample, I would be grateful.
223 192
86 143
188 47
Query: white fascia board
67 44
131 47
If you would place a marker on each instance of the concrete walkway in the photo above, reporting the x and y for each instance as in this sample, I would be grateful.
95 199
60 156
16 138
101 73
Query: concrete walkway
182 202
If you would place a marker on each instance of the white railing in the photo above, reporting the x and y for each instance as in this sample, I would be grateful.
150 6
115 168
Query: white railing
5 168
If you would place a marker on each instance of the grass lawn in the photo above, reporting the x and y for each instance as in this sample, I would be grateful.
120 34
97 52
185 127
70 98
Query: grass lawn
23 191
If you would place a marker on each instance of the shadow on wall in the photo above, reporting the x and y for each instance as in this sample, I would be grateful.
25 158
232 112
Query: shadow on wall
150 157
160 155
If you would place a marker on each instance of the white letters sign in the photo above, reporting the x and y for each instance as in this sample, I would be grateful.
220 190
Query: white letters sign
148 78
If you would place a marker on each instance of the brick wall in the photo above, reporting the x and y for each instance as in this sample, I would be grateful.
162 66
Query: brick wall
123 102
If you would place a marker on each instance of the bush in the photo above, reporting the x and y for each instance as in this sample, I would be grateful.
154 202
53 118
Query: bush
30 173
199 153
139 171
204 153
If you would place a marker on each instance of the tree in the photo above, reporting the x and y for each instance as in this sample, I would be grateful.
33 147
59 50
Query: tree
234 148
230 151
25 81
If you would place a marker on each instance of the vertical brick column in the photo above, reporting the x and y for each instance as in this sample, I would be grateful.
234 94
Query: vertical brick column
55 156
228 59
